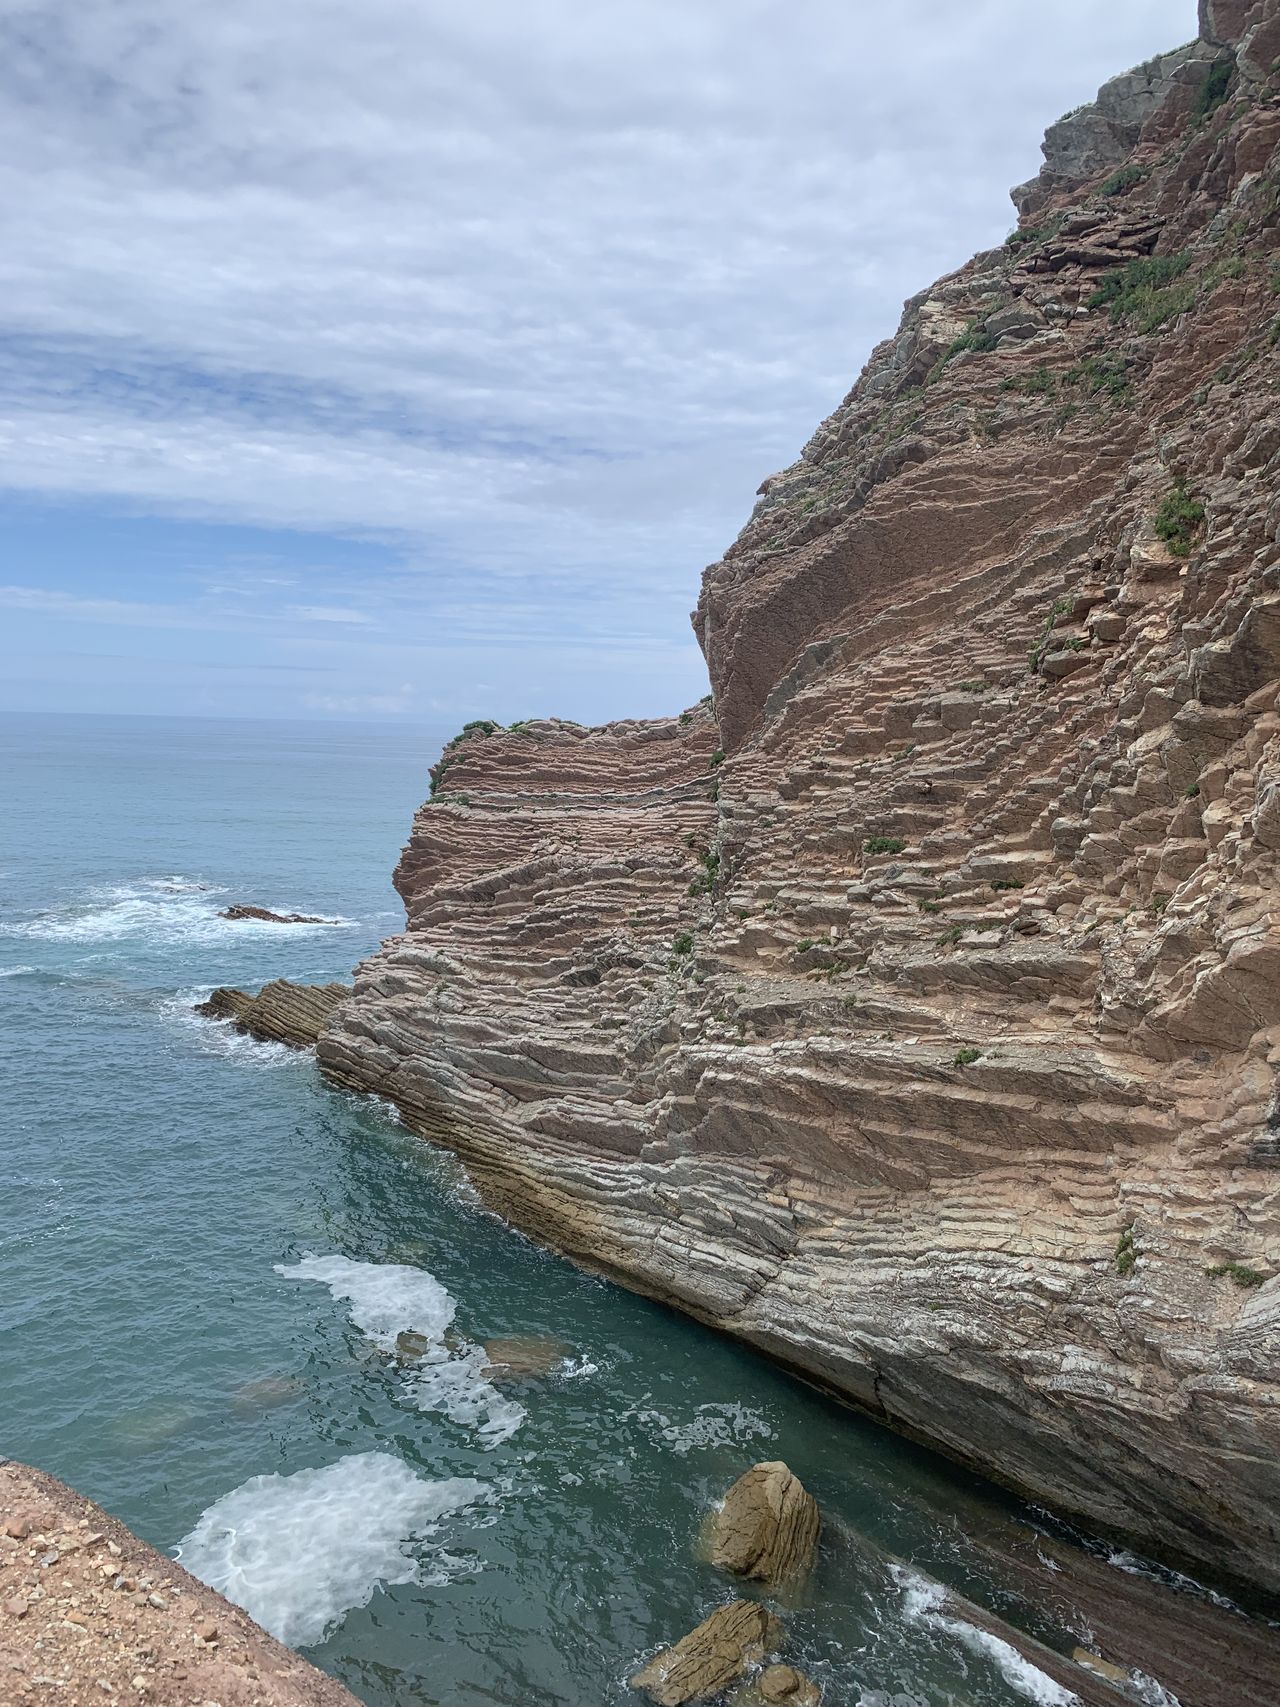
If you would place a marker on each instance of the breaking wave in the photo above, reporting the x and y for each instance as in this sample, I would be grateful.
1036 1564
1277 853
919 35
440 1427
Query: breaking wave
158 909
923 1602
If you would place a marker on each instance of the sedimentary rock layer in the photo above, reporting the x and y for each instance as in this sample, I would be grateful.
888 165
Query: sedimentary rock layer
913 1010
88 1613
281 1012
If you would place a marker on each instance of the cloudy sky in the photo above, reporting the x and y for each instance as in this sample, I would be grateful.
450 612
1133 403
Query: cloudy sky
394 359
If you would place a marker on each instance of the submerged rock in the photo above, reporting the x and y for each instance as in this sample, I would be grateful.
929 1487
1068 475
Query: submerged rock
281 1012
767 1528
267 1391
524 1357
263 915
706 1661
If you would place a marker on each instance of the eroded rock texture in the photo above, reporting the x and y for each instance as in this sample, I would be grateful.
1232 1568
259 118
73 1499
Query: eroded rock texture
930 1040
706 1661
767 1526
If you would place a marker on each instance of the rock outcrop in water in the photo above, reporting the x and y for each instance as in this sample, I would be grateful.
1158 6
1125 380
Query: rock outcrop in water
914 1013
242 912
766 1528
281 1012
88 1612
704 1663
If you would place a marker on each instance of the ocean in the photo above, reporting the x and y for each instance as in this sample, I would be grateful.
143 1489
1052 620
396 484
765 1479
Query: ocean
206 1257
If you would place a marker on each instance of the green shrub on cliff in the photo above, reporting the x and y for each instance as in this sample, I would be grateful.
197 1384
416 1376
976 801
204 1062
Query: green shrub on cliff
1147 292
1178 520
1100 374
1038 383
883 844
1123 179
966 1057
974 338
1031 235
1240 1274
683 944
1126 1254
705 881
1214 89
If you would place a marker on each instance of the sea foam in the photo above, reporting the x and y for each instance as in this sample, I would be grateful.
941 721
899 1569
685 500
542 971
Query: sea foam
299 1552
386 1299
731 1424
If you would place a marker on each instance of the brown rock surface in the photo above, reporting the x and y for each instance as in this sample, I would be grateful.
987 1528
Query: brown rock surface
767 1527
930 1041
785 1683
705 1662
90 1614
281 1012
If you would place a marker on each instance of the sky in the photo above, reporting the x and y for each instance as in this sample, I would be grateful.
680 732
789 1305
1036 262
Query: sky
408 361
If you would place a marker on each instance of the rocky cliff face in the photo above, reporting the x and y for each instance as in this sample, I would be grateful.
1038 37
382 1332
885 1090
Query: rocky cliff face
913 1011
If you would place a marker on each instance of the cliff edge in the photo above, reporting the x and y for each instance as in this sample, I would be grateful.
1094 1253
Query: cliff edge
912 1010
91 1614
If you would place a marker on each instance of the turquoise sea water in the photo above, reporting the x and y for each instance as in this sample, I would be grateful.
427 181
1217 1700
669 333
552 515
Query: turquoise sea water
421 1534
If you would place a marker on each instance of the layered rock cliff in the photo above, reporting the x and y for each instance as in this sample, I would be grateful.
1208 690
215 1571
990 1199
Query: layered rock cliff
912 1008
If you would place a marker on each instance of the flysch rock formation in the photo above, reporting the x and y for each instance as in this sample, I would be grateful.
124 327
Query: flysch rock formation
91 1614
912 1010
281 1012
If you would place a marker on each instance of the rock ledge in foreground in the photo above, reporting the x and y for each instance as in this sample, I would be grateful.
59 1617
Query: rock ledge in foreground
90 1613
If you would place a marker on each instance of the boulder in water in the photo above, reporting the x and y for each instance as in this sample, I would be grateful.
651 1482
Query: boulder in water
767 1528
706 1661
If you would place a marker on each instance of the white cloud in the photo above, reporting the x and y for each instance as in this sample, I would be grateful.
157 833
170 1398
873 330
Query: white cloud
400 702
327 613
138 613
535 293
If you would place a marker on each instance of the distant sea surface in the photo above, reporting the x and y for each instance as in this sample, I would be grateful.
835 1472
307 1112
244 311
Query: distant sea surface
206 1257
